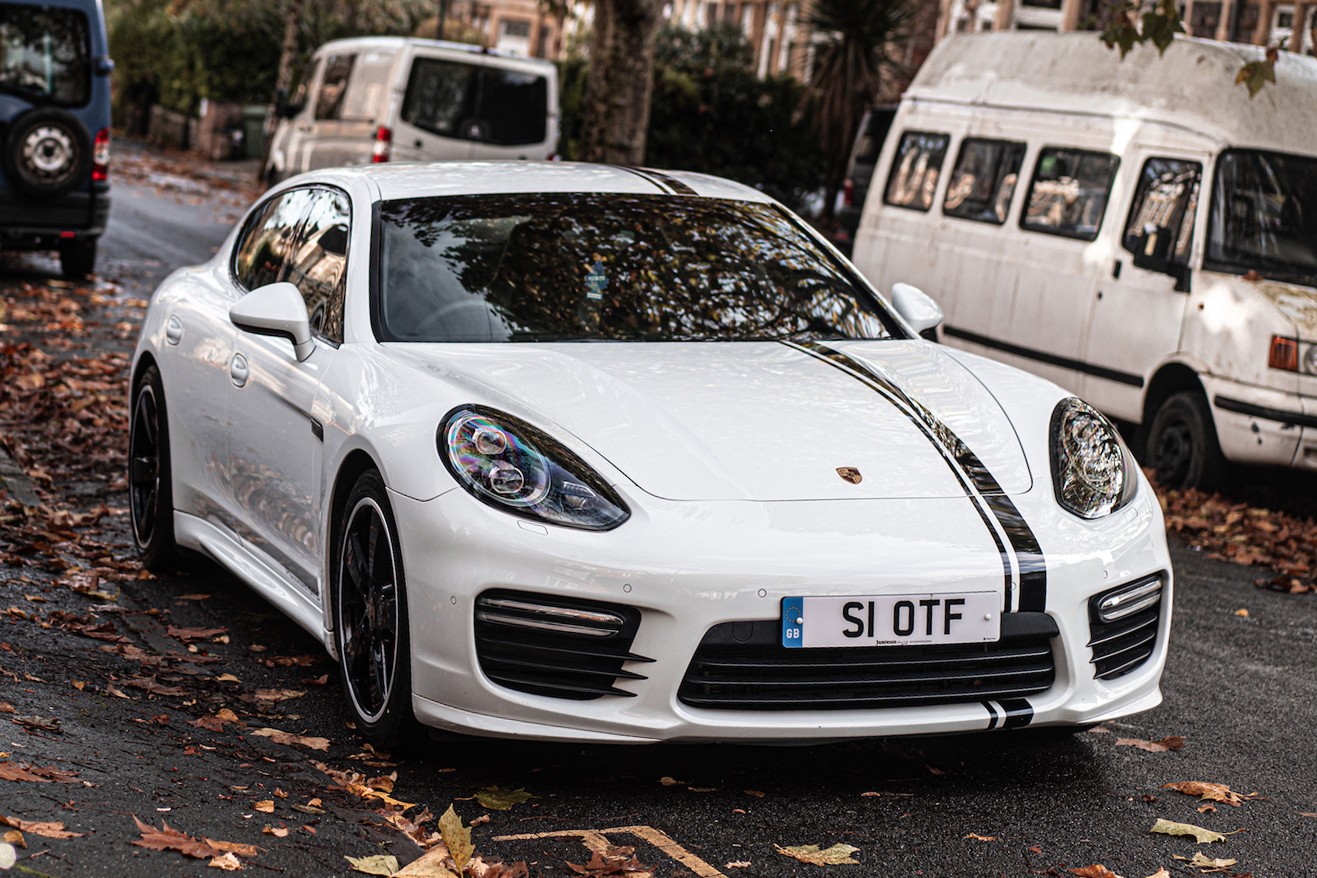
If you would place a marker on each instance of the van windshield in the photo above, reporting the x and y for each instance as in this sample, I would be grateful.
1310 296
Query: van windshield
1264 216
45 54
589 267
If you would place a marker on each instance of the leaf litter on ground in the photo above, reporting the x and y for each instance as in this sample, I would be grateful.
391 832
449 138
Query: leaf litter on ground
1168 743
500 799
616 860
1216 792
1201 835
837 855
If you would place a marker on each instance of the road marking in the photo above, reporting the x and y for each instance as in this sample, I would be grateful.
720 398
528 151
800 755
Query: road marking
597 840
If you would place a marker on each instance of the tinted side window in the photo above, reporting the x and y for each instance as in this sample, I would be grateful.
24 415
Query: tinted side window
915 170
440 94
318 263
303 87
513 106
267 241
367 91
1161 220
329 101
1069 191
45 54
983 181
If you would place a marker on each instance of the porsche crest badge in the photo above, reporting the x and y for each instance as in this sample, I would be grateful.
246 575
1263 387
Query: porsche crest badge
850 474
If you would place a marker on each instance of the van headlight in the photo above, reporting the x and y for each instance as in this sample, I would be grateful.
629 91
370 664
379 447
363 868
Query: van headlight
1093 473
507 463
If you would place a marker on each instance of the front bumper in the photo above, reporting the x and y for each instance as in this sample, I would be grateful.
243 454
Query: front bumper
687 567
1263 426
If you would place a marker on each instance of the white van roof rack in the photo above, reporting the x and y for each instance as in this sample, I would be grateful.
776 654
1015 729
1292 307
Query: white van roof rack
1191 86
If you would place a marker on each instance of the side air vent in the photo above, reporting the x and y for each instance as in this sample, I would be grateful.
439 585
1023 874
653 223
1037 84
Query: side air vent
558 646
1123 626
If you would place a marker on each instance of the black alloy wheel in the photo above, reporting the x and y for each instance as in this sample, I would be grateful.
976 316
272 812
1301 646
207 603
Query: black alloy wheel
371 618
150 488
1182 444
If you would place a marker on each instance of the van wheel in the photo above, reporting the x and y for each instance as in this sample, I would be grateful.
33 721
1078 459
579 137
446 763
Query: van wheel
46 153
1182 444
77 258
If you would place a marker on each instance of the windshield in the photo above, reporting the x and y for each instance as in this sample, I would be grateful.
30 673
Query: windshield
538 267
45 54
1264 216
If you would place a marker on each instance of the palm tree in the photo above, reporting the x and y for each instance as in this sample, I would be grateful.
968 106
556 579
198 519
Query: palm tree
848 67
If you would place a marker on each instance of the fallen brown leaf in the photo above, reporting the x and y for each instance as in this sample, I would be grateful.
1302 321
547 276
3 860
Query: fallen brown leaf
187 635
836 855
290 739
1097 870
46 829
227 862
616 860
1216 792
1168 743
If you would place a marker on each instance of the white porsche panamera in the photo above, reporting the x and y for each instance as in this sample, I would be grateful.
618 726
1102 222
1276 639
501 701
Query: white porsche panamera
592 453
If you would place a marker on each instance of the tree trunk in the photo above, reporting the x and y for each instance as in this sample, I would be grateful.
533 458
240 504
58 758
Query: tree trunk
282 80
615 116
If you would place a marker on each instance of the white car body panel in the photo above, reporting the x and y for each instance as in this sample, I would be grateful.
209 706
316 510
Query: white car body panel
727 455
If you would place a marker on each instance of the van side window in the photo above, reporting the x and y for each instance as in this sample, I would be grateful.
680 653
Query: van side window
1161 220
915 168
484 104
1069 192
329 102
367 92
983 181
304 87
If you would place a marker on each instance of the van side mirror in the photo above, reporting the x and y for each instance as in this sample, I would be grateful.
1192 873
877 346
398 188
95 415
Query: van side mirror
920 311
1178 270
279 310
104 66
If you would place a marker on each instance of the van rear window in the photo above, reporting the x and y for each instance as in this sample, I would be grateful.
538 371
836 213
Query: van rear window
984 179
916 166
485 104
1069 192
45 54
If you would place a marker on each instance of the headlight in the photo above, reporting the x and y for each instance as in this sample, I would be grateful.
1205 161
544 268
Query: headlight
509 464
1092 471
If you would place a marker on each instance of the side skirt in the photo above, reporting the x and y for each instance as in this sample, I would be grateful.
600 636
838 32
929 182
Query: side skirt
264 577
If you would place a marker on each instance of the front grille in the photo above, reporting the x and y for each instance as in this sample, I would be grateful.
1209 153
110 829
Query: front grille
557 646
743 666
1123 645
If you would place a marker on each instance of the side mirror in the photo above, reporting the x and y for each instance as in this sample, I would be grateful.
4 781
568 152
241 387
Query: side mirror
104 66
278 310
1181 272
916 307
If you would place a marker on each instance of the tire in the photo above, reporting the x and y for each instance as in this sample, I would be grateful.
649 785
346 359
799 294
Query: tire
46 153
150 485
370 618
77 258
1182 444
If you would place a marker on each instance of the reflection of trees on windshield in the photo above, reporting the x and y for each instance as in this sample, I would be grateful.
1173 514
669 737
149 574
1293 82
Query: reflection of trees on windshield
45 52
569 266
1264 216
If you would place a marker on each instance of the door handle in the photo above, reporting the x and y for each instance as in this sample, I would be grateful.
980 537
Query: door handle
173 330
238 370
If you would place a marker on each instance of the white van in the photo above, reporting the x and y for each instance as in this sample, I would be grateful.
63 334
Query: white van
377 99
1047 195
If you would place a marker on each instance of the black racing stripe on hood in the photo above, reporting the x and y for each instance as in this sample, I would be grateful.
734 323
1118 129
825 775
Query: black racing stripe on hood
677 187
1028 554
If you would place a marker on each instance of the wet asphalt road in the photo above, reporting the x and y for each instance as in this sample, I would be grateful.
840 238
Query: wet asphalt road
1241 690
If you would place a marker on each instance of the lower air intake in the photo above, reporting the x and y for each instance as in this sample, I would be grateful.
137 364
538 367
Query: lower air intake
743 666
556 646
1122 645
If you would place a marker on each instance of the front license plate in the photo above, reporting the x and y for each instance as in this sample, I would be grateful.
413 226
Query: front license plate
892 620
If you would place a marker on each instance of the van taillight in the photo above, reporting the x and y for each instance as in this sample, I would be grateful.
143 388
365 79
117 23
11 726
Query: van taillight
100 156
383 141
1284 354
848 193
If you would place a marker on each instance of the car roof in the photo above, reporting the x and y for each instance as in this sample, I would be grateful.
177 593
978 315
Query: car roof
413 180
1192 86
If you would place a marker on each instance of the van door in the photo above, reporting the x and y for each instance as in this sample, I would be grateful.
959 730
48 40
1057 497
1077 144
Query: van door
512 114
1139 306
439 98
1042 293
351 105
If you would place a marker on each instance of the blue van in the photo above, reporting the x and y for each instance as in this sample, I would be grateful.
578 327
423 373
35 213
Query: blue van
54 129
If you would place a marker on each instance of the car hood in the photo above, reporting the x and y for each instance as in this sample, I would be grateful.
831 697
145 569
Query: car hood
746 420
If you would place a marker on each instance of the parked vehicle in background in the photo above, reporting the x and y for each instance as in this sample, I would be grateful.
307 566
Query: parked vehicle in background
859 171
1047 194
379 99
55 115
